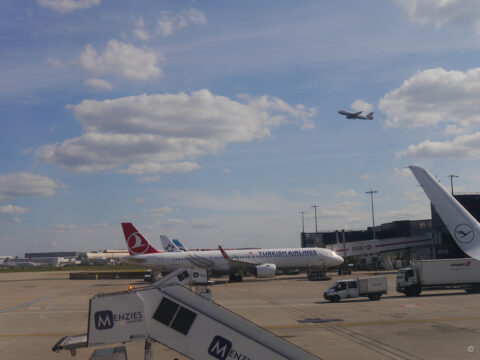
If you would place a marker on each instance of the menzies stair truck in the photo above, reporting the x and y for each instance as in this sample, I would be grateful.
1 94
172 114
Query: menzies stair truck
373 288
439 275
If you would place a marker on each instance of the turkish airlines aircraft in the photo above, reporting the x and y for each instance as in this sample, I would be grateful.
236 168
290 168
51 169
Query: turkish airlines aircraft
261 262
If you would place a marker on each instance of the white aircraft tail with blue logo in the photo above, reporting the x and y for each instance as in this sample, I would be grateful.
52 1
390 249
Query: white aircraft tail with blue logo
168 245
179 245
463 227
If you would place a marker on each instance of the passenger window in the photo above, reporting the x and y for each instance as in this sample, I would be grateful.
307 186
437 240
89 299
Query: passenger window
352 284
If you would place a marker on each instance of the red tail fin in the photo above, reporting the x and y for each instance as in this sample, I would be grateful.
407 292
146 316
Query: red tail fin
136 242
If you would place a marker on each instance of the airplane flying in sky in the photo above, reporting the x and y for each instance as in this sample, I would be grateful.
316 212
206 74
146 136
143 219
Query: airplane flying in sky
263 263
356 115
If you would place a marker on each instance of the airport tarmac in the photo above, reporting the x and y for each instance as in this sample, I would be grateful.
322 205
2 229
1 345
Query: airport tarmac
38 308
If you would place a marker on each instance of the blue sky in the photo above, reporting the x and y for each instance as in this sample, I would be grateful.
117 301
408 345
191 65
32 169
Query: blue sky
216 122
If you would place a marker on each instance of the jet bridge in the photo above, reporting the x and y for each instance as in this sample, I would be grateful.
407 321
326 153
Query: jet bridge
182 319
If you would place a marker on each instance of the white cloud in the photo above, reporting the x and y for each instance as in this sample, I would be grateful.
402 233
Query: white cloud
13 209
455 130
151 167
346 194
169 23
139 32
402 173
368 176
433 96
257 202
26 184
122 59
172 223
362 105
55 62
65 6
148 179
159 211
204 223
148 134
64 227
465 146
99 225
440 12
98 84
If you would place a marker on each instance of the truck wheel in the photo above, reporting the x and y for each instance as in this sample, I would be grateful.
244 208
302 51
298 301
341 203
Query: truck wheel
335 299
413 291
374 297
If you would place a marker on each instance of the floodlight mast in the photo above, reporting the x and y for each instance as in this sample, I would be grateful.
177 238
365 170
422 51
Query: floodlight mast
451 176
371 192
315 207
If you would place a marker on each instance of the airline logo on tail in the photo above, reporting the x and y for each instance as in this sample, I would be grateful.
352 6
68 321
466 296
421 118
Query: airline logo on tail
136 242
464 233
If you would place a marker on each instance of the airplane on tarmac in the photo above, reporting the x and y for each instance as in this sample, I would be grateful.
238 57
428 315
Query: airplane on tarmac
179 245
168 245
263 263
356 115
463 227
19 263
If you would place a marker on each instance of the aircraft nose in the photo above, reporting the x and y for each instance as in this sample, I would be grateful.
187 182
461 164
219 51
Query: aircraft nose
337 259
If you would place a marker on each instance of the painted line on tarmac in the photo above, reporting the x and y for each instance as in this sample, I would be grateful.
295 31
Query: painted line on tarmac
12 308
375 323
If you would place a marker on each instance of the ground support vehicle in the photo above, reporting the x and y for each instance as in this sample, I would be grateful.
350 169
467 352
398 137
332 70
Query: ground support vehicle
373 288
439 275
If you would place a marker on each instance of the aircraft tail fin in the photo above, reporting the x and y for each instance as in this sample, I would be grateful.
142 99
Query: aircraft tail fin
370 115
136 242
168 245
179 245
463 227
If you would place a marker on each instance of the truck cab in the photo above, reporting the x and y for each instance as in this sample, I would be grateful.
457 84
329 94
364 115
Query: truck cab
342 289
407 282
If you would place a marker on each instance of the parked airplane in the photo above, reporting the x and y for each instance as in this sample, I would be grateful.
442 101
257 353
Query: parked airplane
463 227
263 263
179 245
168 245
357 115
20 263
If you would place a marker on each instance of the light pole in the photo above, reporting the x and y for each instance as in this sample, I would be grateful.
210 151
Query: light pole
371 192
303 224
316 229
451 176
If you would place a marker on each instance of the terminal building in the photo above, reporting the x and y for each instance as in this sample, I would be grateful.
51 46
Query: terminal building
395 243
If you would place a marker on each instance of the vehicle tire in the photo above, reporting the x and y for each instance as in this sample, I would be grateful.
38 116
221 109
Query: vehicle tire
374 297
413 291
335 299
235 278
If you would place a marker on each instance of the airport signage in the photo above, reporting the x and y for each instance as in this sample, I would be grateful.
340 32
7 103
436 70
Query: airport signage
116 318
106 319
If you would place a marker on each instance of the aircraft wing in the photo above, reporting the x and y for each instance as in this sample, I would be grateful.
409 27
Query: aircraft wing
235 263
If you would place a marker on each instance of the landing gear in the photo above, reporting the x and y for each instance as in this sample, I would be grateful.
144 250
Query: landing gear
235 278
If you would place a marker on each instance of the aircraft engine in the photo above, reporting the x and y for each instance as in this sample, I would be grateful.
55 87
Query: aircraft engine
265 270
